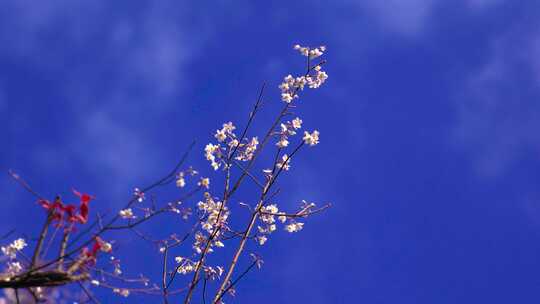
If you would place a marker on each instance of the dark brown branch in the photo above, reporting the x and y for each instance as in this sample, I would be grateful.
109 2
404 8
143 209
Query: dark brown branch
42 279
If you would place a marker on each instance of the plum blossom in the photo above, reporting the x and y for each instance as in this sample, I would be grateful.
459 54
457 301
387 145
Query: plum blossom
287 97
180 181
287 129
217 214
294 227
311 138
312 53
283 142
213 152
313 79
248 150
267 216
297 123
139 195
225 132
12 249
284 163
122 291
262 239
127 213
204 183
13 268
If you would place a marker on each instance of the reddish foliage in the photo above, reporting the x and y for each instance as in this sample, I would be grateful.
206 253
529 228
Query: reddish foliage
61 212
91 255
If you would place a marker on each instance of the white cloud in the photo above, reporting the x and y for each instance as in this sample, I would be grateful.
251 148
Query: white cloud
498 112
481 4
411 17
403 17
114 66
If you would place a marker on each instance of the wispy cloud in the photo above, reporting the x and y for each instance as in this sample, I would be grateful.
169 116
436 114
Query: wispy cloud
411 18
112 66
402 17
498 121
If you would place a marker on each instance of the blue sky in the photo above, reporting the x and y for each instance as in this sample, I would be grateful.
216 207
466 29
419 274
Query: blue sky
429 132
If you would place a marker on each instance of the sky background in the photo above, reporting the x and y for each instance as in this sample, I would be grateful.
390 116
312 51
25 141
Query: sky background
429 128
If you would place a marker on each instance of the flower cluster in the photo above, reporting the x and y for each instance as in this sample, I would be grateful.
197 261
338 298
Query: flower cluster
247 150
312 53
293 225
204 182
311 138
215 153
284 163
226 132
187 266
181 181
126 213
13 268
288 129
139 195
201 241
122 291
313 79
267 216
181 177
12 249
215 215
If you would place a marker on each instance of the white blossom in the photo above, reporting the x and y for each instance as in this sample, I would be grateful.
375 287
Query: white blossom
283 142
216 215
291 85
284 163
248 150
121 291
127 213
262 239
294 227
311 139
225 132
317 80
13 268
212 152
297 123
312 53
287 97
267 213
106 247
139 195
12 249
181 181
204 182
